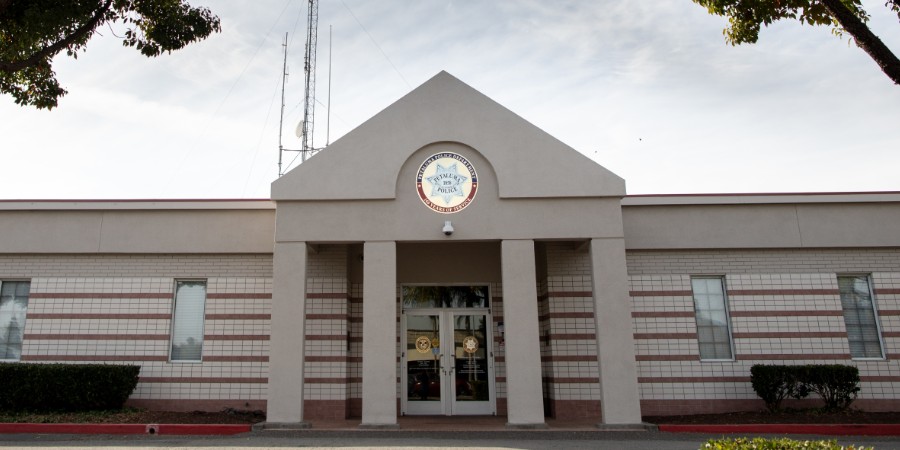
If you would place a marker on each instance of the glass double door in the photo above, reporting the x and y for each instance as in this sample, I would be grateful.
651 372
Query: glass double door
447 363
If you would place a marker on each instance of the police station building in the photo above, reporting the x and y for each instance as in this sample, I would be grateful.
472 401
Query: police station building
449 258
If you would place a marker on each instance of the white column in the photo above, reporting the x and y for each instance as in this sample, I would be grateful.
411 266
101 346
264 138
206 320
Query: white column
524 396
620 400
379 358
286 344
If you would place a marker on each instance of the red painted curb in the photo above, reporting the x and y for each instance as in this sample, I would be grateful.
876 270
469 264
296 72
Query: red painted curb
832 430
123 428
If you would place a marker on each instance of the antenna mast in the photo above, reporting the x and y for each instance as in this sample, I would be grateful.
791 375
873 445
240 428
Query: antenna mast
309 98
305 128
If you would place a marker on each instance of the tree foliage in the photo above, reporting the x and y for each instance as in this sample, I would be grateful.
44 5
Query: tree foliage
32 32
746 18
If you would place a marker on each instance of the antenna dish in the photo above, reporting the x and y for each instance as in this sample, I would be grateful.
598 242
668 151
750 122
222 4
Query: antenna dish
299 130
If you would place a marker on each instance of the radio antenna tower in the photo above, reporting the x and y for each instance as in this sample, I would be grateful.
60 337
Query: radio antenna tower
306 127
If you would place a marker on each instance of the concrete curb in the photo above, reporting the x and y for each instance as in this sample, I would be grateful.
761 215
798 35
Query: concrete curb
822 429
124 428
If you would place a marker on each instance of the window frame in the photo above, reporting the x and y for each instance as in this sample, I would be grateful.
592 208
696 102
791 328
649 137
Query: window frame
870 284
728 324
25 321
202 320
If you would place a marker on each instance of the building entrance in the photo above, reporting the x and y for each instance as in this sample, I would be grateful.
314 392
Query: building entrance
447 360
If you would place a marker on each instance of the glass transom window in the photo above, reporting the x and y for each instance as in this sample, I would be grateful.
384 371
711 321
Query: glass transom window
417 297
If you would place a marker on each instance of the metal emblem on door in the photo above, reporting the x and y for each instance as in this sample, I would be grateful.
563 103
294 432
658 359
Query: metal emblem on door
470 344
423 344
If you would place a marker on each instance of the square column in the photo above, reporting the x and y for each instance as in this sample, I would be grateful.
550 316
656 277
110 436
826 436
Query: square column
286 345
524 394
379 350
620 399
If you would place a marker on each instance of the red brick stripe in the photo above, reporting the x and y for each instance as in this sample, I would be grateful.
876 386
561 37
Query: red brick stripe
236 337
564 358
327 337
887 291
238 295
891 334
340 295
238 317
323 380
789 334
167 295
95 337
734 292
667 358
108 316
570 294
88 358
567 315
235 359
889 312
662 314
569 380
202 380
665 335
693 379
571 336
879 378
326 316
354 300
791 356
786 313
660 293
333 359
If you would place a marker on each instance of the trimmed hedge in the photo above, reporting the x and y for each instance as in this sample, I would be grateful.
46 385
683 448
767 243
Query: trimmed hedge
775 444
836 384
65 387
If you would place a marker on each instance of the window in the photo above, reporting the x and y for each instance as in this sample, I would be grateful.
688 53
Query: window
860 317
13 305
713 327
187 320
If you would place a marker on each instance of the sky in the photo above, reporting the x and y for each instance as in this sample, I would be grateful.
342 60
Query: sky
648 89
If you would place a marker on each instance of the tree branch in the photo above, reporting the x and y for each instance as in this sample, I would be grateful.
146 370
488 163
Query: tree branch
49 51
865 39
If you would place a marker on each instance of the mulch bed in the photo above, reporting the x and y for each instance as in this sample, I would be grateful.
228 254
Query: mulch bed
143 417
805 416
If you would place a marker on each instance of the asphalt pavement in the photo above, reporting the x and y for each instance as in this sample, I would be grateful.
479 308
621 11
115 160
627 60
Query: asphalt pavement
512 439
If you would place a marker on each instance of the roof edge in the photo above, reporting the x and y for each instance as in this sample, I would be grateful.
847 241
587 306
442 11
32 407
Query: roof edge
761 198
136 204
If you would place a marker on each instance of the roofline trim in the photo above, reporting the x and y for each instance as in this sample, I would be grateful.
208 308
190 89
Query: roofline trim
762 198
136 204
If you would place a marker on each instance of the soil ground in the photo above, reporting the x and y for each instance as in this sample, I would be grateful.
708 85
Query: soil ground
250 417
140 416
787 416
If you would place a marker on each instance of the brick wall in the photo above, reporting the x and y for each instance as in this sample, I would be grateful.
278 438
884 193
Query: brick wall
569 364
117 309
785 309
326 385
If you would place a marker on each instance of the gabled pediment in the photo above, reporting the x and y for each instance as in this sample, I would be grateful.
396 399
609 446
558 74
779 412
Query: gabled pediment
528 162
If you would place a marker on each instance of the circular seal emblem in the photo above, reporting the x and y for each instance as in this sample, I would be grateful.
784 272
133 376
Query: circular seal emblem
423 344
470 344
446 182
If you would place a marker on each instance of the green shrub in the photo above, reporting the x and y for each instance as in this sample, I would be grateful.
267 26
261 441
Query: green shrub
774 444
773 384
836 384
65 387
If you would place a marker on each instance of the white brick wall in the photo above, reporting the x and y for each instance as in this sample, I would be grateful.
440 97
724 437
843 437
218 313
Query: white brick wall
116 309
784 308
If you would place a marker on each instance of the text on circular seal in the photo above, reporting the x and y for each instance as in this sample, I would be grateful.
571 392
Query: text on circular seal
446 182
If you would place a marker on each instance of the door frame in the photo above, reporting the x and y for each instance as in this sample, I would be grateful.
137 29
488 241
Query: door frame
448 405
